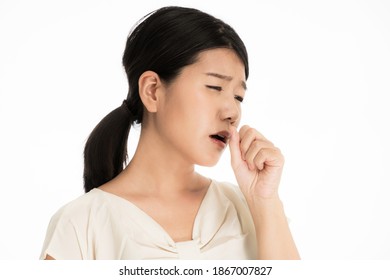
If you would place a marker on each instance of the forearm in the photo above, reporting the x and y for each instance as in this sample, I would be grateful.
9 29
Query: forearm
274 239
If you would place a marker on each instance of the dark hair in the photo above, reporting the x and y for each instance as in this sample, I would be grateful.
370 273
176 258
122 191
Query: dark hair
164 41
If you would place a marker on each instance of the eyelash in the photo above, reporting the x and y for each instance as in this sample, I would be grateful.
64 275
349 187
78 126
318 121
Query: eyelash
239 98
217 88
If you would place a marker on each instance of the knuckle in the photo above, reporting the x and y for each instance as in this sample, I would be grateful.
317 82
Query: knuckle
252 132
257 144
244 128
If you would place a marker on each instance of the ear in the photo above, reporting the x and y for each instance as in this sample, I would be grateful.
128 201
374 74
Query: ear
149 86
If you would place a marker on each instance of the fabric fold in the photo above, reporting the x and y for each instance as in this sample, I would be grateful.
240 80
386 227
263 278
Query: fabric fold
107 226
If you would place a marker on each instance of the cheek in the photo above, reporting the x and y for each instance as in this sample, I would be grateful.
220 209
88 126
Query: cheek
178 115
192 105
189 108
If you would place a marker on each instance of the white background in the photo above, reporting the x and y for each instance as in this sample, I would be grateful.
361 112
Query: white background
318 86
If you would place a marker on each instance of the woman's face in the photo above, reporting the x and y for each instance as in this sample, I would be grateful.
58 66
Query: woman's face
201 104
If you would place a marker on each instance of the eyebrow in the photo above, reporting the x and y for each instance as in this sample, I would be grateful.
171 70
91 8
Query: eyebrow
226 78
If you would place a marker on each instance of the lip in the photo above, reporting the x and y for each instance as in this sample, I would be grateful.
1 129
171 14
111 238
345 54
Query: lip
221 138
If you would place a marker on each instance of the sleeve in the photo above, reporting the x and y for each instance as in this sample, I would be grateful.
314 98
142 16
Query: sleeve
63 239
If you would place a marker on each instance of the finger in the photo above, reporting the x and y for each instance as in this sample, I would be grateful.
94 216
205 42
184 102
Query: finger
245 129
248 135
256 147
269 157
234 147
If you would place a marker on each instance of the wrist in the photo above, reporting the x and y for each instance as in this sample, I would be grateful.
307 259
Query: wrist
266 207
262 199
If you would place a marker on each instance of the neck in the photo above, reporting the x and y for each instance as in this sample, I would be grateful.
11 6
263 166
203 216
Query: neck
162 169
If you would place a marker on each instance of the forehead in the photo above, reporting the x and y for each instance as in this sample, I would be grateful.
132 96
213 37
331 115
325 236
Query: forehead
222 61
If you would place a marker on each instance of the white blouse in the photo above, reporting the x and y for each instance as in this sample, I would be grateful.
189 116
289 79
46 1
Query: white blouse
101 225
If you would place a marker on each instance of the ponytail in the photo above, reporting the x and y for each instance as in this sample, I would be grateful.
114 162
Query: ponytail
105 151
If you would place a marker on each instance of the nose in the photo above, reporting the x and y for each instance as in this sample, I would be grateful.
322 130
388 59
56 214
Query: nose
231 111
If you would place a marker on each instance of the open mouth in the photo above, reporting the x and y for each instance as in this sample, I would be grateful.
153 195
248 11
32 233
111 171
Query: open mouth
222 136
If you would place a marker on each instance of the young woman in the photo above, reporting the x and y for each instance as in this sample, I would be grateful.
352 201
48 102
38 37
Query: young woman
186 72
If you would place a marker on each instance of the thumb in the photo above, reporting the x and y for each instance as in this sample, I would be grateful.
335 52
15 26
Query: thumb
234 147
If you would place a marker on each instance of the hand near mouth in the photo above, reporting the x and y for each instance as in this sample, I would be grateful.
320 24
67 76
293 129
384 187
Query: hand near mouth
256 162
258 165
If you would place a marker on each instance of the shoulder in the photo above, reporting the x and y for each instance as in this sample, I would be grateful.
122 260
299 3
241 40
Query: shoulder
71 227
81 208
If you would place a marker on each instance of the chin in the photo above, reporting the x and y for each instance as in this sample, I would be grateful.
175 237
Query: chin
208 162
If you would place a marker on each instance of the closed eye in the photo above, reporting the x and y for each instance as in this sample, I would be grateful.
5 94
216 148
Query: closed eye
217 88
239 98
214 87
